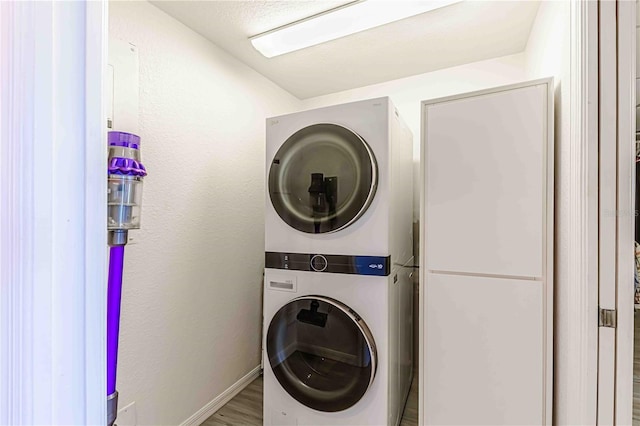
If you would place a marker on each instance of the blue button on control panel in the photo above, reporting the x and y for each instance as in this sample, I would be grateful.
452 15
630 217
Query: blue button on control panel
372 265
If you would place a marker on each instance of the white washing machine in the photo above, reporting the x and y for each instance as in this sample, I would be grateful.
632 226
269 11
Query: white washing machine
337 337
339 182
336 347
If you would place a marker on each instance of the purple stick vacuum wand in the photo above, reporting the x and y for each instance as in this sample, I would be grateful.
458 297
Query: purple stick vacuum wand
124 196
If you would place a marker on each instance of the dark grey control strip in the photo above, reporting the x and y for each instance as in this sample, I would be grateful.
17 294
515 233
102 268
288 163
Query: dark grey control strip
340 264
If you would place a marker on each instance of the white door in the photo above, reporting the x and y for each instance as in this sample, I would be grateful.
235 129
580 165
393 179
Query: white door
616 57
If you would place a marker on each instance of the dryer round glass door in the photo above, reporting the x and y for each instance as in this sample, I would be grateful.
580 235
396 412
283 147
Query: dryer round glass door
322 353
323 178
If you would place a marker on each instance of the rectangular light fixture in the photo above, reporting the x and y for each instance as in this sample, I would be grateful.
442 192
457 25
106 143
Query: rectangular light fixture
339 22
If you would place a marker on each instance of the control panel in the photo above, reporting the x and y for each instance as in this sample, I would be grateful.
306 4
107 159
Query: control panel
340 264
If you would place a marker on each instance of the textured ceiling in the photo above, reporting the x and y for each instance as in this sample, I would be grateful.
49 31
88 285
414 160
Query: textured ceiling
454 35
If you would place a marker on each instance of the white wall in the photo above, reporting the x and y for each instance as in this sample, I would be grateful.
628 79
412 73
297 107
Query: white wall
191 305
547 54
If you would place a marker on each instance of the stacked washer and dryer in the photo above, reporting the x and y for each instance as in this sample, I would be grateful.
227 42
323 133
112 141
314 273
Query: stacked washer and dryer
337 338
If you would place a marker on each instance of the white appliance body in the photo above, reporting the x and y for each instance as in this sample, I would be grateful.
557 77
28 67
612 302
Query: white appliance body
384 304
337 337
384 228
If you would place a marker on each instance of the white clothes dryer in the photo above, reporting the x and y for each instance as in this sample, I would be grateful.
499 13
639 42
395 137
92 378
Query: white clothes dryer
336 347
339 182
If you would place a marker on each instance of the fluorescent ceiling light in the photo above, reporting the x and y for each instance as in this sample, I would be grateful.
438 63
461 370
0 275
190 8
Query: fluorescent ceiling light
348 19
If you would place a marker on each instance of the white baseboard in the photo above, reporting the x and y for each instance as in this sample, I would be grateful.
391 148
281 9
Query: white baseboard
216 403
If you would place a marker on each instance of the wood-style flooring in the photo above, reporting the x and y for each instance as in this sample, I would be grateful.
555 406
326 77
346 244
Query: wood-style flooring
246 408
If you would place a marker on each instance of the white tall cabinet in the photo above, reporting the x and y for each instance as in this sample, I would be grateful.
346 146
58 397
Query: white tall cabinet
486 258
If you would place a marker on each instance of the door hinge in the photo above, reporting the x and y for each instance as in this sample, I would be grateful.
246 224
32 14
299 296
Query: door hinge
607 318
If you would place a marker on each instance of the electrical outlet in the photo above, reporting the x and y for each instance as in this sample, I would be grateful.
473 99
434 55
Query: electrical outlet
127 416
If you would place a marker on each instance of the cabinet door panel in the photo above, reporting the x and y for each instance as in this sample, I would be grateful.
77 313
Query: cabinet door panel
485 183
484 351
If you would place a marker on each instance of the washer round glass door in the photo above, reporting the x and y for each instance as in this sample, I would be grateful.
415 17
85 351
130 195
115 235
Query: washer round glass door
322 353
323 178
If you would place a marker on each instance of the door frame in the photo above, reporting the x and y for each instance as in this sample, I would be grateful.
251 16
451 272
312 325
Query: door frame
617 53
607 203
576 344
625 249
53 238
